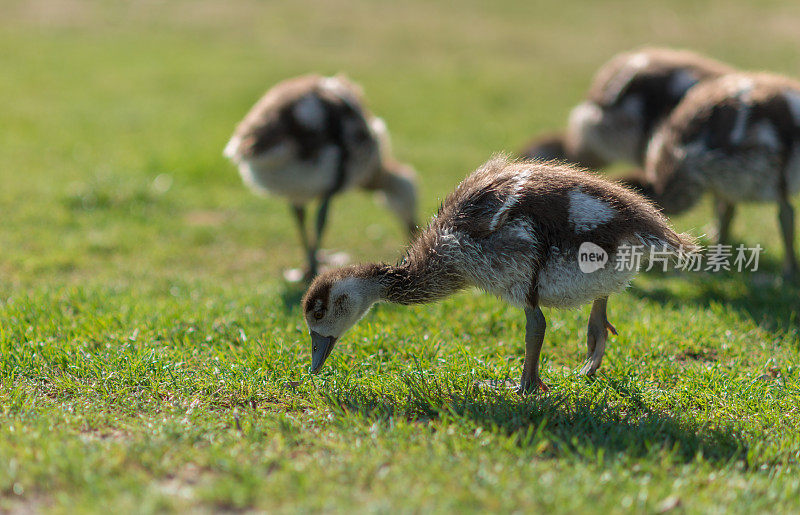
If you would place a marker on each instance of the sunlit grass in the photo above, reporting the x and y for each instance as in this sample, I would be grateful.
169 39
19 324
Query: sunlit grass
153 359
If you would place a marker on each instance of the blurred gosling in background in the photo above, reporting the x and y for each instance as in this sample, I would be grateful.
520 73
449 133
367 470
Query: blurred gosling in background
628 98
310 138
737 137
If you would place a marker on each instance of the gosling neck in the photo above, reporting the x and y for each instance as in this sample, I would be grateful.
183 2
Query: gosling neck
413 282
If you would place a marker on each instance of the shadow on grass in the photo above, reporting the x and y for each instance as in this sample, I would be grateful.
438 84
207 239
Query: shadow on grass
556 425
766 298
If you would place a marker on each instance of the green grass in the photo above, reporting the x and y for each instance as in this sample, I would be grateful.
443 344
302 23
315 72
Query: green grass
153 359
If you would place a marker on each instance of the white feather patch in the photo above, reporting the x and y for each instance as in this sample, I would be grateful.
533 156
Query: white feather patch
639 61
378 125
381 132
587 212
310 112
738 86
744 86
512 199
232 147
334 85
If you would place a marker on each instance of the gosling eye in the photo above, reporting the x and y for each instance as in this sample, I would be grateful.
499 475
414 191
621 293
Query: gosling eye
318 315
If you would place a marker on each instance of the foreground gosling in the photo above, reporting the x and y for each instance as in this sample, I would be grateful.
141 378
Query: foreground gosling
310 138
628 98
737 137
512 229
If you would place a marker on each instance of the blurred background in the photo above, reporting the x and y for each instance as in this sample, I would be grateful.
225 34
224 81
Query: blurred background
152 358
115 114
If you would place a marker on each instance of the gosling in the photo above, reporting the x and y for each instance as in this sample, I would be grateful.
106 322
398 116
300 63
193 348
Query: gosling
737 137
311 138
513 229
628 98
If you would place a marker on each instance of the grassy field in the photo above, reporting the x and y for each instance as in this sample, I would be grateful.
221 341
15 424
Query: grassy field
152 358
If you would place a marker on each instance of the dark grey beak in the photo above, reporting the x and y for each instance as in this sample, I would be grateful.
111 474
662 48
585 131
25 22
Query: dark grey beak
321 347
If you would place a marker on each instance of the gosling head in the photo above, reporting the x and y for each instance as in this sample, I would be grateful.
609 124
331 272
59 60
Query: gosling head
334 302
612 133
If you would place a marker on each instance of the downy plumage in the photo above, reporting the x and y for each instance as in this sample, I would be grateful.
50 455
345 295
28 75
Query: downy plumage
514 230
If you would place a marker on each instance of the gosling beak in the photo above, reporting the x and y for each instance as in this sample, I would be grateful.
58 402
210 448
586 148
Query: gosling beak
321 347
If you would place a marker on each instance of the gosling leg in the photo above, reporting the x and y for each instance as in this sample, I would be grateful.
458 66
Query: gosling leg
786 217
724 211
535 326
596 336
299 212
313 249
